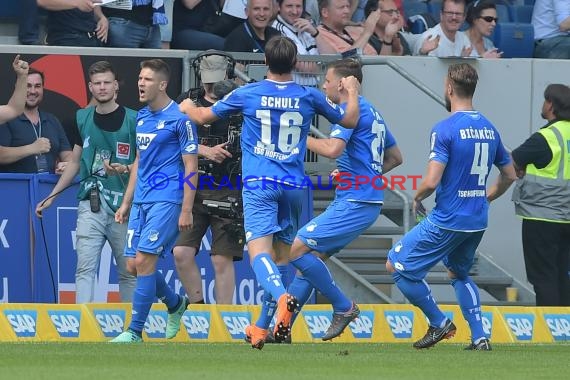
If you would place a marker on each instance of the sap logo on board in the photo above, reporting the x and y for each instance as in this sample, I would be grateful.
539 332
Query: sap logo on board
362 326
155 325
401 323
487 320
112 322
66 322
236 322
318 322
521 325
197 324
23 322
559 325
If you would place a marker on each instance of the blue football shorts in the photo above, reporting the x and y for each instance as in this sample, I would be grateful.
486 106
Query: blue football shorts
153 228
342 222
272 208
426 244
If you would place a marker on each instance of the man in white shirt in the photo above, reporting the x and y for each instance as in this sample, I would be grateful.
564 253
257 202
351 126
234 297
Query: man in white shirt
551 22
445 39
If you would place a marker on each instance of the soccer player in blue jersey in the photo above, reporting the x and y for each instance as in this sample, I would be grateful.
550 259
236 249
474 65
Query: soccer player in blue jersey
277 116
363 155
463 149
167 147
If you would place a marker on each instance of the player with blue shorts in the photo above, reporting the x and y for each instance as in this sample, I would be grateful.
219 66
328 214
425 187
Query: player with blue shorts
464 147
165 177
363 155
277 116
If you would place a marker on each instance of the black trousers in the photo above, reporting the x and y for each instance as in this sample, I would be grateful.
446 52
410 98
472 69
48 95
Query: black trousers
546 247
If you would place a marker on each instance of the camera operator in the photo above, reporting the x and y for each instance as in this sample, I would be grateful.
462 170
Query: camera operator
217 143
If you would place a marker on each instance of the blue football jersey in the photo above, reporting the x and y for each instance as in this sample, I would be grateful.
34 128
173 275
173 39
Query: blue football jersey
277 118
162 138
468 144
363 156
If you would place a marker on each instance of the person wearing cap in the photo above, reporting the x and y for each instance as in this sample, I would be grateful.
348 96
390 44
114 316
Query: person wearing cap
213 70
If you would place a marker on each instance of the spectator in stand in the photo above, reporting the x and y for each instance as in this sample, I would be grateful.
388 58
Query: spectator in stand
302 32
252 35
230 17
551 21
482 20
386 38
445 39
28 23
137 27
17 102
336 36
78 23
166 29
34 141
189 19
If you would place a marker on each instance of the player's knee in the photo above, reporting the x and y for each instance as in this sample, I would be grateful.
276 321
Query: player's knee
298 248
131 267
451 275
322 256
389 267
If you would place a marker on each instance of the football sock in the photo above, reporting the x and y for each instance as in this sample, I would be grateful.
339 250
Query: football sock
467 295
419 294
267 275
143 297
268 304
302 290
317 273
165 293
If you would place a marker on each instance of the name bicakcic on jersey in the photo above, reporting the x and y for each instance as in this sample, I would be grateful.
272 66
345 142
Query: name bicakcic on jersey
341 181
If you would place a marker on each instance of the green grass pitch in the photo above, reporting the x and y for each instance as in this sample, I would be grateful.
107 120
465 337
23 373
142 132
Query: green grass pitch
297 361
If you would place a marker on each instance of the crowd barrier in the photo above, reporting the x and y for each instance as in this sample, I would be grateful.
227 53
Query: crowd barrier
226 323
38 259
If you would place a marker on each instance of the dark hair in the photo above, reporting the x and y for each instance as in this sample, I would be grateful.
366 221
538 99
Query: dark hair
280 55
371 6
463 77
100 67
559 95
322 4
31 70
157 65
475 9
347 67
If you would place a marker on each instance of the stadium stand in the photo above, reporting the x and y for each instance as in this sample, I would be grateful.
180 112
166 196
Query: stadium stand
523 13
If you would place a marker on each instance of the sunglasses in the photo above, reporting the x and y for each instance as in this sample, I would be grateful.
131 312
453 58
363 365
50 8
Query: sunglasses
490 19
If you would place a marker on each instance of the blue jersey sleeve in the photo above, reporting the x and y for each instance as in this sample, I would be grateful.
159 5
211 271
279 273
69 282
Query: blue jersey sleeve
230 104
339 132
440 144
324 106
502 157
389 141
187 136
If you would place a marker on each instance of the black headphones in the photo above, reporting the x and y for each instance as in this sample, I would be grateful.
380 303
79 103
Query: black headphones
230 74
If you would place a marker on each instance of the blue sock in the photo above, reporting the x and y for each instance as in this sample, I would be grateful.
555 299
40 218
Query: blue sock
165 293
419 294
143 298
467 295
267 275
268 303
317 273
268 308
302 290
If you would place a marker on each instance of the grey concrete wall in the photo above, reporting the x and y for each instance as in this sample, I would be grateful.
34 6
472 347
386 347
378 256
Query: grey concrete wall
509 93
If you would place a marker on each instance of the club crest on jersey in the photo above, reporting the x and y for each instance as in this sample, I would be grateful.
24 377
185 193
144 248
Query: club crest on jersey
160 124
123 150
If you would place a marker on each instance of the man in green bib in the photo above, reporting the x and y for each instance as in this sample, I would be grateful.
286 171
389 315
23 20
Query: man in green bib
104 148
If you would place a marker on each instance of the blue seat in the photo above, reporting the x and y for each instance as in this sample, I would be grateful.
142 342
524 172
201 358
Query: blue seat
434 8
8 10
503 13
412 8
523 13
528 2
514 40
